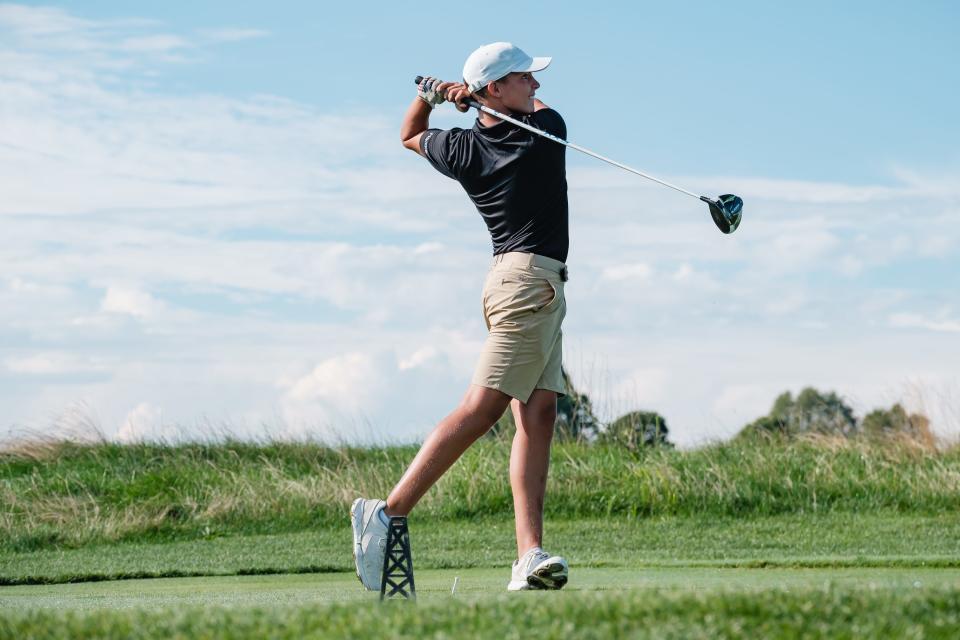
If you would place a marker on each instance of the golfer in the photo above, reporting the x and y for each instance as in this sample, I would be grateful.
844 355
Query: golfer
517 180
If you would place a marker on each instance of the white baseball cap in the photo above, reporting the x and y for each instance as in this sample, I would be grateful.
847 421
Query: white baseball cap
493 61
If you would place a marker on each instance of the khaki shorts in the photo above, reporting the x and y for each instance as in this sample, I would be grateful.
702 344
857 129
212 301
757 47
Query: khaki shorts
523 306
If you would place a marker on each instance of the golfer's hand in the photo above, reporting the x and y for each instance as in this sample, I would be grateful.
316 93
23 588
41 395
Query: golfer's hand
435 92
429 91
458 94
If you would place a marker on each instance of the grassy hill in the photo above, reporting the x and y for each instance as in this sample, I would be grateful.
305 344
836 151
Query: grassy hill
759 537
62 494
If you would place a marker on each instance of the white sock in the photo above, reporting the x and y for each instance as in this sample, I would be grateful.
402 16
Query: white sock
384 518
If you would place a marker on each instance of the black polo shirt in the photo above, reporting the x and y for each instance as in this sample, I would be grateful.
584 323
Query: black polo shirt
516 179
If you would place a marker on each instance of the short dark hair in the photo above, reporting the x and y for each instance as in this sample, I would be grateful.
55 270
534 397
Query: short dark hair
482 91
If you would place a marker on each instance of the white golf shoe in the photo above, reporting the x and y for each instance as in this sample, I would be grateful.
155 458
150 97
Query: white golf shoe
537 569
369 540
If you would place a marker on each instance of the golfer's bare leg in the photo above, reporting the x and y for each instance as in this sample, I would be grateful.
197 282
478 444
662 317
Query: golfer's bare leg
478 411
529 460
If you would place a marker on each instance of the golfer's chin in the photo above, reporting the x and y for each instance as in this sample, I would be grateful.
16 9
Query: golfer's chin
526 108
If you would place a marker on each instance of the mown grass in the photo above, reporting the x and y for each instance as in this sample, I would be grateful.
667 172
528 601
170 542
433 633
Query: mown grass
828 612
832 540
62 494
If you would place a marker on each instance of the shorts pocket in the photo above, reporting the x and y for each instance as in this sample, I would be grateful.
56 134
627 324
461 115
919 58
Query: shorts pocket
553 291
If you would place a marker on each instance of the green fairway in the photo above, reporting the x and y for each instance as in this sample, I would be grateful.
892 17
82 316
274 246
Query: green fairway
435 586
823 540
598 603
787 576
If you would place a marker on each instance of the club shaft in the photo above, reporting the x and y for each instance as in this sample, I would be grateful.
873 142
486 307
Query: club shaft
549 136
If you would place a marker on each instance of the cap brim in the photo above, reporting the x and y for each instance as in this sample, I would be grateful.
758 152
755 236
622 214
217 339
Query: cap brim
538 64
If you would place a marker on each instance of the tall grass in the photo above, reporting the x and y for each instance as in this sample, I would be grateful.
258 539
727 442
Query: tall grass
69 494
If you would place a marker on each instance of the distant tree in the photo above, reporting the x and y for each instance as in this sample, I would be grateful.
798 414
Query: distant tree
896 421
637 429
813 411
575 417
810 412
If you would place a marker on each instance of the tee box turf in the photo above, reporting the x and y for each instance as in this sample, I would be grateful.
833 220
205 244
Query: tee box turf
397 577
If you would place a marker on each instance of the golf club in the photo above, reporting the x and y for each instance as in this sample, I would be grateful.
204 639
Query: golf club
726 210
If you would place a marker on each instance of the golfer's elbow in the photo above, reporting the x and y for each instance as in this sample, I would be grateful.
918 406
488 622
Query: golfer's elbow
411 142
412 126
408 130
415 122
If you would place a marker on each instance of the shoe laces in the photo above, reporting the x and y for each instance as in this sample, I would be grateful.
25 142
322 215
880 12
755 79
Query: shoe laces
532 558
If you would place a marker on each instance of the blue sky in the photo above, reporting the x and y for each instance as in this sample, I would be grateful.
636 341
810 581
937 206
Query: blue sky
815 91
210 222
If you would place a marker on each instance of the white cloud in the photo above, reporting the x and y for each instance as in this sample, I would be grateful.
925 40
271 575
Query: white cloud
40 21
428 247
636 272
365 395
737 404
53 29
155 43
418 358
144 423
943 185
918 321
805 192
850 266
786 302
939 246
348 382
337 391
51 363
753 398
798 246
639 388
684 273
120 299
258 239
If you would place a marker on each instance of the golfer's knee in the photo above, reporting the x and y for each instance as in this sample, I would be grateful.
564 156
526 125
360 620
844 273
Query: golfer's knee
546 417
543 408
539 419
485 408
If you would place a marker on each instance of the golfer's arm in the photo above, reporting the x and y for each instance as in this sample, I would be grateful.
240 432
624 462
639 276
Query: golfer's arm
415 122
537 105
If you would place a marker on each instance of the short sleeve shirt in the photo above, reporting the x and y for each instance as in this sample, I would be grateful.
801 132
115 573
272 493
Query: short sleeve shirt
515 178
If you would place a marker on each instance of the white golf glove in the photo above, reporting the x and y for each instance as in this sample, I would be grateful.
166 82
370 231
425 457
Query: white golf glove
427 92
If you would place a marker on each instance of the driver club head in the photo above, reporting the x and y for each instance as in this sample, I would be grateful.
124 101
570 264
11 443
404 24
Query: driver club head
726 211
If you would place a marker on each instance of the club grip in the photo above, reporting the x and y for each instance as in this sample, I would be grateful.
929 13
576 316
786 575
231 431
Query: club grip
419 79
472 103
